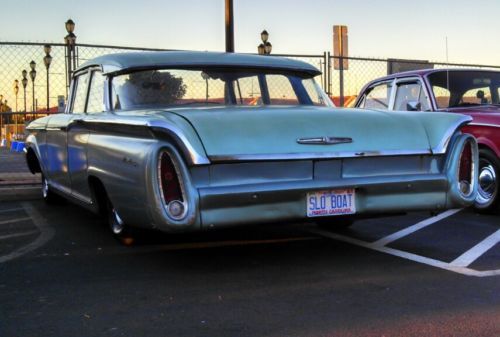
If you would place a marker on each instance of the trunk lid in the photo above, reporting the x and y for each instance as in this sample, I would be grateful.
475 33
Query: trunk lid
260 131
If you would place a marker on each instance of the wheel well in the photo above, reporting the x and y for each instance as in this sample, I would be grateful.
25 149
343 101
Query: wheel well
32 161
99 194
482 146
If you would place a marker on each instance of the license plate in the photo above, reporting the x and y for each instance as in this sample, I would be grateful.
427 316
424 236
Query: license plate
328 203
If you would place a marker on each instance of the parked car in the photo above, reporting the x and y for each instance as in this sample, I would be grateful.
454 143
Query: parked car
183 141
471 92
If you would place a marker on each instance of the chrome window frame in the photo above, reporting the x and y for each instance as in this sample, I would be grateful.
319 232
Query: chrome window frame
390 101
71 96
73 88
418 79
93 71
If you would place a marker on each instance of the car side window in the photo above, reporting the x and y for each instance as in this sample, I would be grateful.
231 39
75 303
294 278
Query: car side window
247 91
80 94
442 97
477 96
96 93
281 90
377 97
410 96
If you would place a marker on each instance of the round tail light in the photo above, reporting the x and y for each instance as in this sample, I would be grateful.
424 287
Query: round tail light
170 187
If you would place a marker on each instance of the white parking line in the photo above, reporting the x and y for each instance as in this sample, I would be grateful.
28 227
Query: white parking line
475 252
459 265
11 210
46 233
409 230
10 236
406 255
14 220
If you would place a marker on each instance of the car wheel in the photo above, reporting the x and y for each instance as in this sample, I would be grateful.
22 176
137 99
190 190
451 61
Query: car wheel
487 200
335 223
47 194
120 230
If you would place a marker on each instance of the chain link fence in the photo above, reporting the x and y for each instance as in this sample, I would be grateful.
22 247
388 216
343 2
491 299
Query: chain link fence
48 91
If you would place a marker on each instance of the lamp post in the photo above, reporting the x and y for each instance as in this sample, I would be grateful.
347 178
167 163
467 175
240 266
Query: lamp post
24 82
47 60
33 77
205 76
70 41
265 47
16 90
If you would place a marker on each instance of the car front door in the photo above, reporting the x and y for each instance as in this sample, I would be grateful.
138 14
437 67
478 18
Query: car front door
58 171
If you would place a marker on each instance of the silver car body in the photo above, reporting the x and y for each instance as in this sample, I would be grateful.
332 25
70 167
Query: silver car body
232 175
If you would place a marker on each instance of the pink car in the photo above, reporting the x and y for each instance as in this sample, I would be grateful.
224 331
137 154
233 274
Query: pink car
470 92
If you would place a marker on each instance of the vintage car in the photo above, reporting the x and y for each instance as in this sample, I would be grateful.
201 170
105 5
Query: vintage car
184 141
471 92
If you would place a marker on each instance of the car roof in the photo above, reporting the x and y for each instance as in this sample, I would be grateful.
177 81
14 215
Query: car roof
124 62
423 72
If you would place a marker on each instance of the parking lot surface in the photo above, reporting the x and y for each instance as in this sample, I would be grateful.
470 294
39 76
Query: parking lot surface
62 274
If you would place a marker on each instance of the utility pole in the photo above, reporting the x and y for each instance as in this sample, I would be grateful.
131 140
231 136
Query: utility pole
229 27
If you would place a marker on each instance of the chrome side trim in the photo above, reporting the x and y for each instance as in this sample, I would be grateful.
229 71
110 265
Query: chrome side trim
314 155
324 140
59 187
484 124
443 145
82 198
70 193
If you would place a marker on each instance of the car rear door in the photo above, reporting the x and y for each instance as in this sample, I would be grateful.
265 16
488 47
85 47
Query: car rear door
78 135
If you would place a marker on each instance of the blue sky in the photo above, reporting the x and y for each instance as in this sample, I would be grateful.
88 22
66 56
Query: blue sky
383 28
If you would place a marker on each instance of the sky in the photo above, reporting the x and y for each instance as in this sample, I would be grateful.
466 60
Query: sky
380 29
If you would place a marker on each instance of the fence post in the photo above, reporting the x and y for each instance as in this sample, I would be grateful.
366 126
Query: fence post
324 70
66 69
329 75
341 81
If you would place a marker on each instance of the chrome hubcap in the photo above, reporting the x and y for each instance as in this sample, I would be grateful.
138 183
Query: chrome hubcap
117 222
487 184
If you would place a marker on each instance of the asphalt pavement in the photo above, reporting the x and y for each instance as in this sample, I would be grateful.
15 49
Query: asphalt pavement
62 274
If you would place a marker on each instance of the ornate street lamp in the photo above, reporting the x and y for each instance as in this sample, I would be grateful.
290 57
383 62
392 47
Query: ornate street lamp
265 47
24 82
70 41
33 77
264 36
70 26
47 60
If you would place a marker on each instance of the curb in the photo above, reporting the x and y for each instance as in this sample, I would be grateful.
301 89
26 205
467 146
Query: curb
17 193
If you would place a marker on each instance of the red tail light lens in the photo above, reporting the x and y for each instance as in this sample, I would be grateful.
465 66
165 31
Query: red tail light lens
465 169
169 181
